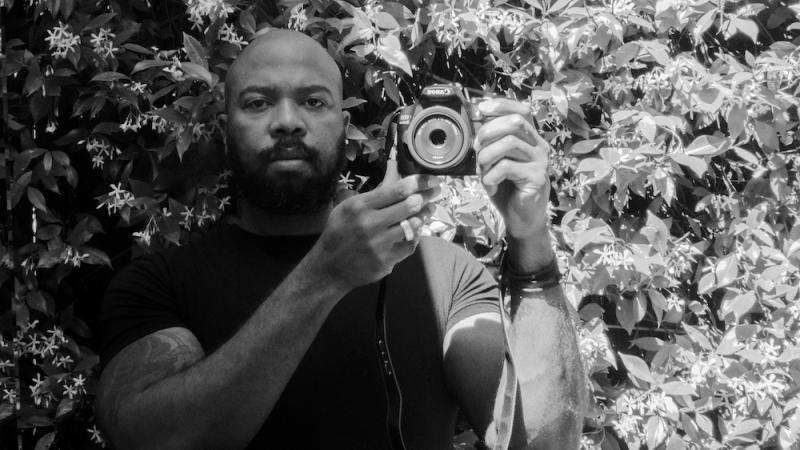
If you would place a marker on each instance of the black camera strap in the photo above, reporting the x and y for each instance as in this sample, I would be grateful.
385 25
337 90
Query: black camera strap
394 398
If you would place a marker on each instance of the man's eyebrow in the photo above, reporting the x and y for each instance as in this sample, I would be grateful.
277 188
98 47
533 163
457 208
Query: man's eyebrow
271 91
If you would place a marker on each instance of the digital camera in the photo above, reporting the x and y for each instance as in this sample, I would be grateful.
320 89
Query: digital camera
435 134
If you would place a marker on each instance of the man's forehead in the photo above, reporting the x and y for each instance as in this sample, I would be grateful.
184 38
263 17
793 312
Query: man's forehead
284 57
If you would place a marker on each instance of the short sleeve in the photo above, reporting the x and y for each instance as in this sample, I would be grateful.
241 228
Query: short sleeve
139 301
475 291
462 285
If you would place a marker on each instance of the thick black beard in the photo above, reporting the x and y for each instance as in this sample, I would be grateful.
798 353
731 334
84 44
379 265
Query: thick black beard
287 196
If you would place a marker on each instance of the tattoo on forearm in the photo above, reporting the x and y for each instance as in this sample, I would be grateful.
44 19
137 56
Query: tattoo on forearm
141 365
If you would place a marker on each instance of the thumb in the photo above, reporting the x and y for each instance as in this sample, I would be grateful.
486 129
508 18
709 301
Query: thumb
391 174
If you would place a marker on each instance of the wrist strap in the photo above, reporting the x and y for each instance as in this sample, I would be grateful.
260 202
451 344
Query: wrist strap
548 276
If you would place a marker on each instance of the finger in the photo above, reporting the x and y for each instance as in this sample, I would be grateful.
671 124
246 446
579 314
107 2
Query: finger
532 174
495 107
397 235
510 147
391 175
391 193
415 205
344 194
500 127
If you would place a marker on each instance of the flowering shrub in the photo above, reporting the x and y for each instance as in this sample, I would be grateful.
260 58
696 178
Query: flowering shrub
675 195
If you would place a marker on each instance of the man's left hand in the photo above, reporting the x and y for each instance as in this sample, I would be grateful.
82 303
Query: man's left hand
513 163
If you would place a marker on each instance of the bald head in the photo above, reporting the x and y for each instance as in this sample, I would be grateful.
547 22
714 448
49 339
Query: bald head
284 51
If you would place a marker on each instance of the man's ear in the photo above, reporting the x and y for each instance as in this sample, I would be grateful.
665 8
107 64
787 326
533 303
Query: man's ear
346 119
222 119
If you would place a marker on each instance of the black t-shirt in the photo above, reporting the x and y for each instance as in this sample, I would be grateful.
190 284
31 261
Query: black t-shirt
335 398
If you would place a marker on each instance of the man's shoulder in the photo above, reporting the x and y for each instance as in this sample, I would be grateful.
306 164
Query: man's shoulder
432 248
175 257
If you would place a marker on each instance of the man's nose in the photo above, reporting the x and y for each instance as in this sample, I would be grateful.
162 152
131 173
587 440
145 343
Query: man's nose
287 120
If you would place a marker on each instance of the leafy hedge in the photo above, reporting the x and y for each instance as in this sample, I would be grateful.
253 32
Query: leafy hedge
675 166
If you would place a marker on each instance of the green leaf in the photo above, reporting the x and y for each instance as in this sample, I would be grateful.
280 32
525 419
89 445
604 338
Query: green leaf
631 311
767 136
697 336
385 21
637 368
195 51
352 102
48 232
704 423
706 283
678 388
34 80
198 72
746 26
585 146
726 270
38 302
149 64
45 441
697 165
37 199
703 24
737 121
708 146
626 53
656 432
710 100
137 48
745 427
354 133
599 235
739 305
659 304
110 76
99 21
390 51
651 344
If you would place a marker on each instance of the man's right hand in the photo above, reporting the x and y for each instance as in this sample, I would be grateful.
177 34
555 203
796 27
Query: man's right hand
363 239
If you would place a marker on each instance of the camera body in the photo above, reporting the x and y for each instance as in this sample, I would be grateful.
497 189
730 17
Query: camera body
435 135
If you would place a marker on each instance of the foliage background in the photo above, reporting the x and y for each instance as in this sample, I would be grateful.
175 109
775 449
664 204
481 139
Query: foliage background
675 200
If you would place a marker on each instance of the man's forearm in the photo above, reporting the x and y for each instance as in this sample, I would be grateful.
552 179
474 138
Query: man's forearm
548 366
222 400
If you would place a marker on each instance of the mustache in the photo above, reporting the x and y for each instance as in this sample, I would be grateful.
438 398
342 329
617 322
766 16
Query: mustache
289 147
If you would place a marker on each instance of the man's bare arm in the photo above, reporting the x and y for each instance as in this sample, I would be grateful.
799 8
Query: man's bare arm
550 402
161 392
543 343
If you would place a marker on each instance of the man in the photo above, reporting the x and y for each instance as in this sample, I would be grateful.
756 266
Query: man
262 335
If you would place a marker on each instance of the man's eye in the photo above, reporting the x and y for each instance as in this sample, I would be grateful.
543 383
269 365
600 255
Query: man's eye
257 104
315 103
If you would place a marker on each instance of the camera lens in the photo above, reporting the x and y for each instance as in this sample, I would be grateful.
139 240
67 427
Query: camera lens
438 141
438 137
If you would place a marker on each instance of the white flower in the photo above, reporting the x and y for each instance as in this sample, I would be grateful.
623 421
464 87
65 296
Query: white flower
61 41
103 43
298 19
116 199
199 10
224 202
138 88
133 122
96 437
143 237
188 214
228 34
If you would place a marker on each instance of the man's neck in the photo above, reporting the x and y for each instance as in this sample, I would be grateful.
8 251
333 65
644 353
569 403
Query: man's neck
257 221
